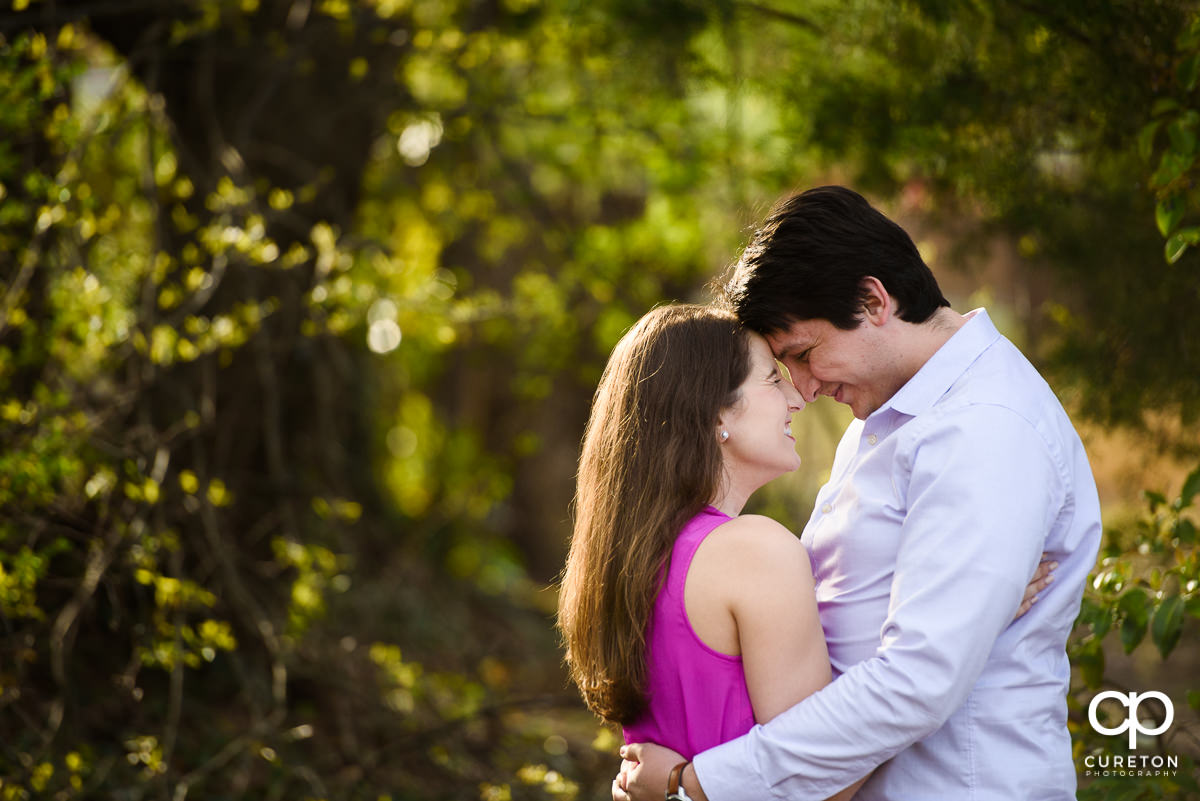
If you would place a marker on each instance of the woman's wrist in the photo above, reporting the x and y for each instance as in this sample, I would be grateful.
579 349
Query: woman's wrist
675 789
691 783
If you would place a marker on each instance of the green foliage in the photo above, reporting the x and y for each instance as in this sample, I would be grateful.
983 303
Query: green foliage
1147 582
193 506
1174 116
1026 120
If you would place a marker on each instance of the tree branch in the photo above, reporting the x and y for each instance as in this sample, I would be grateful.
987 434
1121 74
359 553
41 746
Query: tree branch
778 14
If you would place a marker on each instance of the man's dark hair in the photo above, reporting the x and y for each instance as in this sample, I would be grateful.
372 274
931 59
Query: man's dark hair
809 259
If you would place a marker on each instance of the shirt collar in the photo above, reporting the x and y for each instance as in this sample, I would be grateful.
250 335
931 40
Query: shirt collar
946 365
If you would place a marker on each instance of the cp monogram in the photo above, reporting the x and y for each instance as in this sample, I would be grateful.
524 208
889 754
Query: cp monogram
1132 723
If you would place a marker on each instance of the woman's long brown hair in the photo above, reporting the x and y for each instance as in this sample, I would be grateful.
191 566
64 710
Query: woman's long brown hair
650 461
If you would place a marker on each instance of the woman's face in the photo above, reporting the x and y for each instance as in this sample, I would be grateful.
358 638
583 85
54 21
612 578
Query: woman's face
760 446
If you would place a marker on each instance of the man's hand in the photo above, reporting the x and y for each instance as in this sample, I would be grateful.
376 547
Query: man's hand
644 772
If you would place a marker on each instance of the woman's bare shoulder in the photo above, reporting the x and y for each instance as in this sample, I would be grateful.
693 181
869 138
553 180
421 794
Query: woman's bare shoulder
757 542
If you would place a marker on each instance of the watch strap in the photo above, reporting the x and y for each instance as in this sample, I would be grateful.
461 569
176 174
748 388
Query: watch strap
675 791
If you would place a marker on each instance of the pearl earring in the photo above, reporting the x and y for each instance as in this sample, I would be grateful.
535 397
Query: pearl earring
724 436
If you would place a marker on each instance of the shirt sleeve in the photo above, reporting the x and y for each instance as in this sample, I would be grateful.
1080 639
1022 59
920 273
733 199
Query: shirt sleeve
982 493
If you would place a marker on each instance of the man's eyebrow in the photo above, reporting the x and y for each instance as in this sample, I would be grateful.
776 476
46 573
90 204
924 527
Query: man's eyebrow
789 349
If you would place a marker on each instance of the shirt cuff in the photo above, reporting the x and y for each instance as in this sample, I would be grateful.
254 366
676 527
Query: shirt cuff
729 772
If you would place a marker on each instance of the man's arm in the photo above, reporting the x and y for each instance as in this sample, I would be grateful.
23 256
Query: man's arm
982 494
645 766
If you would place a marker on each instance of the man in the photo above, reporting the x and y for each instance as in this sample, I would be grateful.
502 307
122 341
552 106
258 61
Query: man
960 469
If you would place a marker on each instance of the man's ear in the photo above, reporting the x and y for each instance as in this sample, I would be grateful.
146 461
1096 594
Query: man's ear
877 305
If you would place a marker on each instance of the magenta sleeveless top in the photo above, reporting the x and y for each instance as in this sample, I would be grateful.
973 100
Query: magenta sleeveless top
697 696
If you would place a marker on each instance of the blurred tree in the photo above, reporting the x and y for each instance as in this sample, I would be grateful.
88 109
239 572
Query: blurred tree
224 211
1031 113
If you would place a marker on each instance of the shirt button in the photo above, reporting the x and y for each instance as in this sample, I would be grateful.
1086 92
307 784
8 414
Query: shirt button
826 509
872 439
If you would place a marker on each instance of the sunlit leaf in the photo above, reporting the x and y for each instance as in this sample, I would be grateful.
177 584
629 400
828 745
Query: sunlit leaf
1166 626
1191 488
1179 242
1188 71
1171 166
1146 138
1168 213
1182 136
1135 607
1164 105
1185 531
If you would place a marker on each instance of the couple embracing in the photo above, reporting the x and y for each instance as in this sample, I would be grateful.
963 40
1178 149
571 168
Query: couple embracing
894 651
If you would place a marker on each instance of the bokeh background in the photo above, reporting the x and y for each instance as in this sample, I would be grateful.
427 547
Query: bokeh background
302 304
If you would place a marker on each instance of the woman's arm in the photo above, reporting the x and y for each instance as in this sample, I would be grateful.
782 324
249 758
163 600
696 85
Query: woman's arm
768 586
761 574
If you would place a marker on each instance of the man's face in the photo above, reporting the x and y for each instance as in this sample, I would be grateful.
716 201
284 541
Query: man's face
853 367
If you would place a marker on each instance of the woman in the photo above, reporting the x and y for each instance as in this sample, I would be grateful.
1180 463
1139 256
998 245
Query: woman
685 621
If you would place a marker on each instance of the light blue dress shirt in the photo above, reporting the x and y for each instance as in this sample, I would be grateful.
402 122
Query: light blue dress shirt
935 516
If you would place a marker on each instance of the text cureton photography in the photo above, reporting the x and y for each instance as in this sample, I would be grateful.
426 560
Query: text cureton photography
1130 765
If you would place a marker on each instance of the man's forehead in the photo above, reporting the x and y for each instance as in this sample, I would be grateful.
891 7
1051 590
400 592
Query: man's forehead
797 336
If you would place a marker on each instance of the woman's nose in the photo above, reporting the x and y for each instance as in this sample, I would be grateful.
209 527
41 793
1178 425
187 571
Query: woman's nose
795 400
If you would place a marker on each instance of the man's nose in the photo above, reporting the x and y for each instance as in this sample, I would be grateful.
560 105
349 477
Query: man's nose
806 386
795 400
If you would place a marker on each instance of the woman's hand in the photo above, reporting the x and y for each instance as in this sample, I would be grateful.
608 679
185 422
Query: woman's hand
1040 581
645 769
